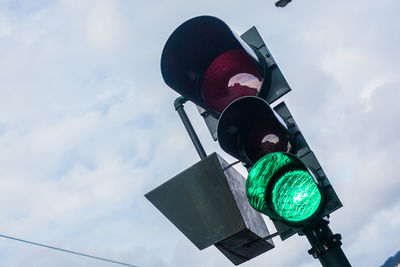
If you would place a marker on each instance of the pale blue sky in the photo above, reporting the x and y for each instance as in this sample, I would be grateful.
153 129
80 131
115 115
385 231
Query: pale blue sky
87 125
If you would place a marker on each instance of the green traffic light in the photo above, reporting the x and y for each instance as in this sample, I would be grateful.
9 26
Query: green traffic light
295 196
280 184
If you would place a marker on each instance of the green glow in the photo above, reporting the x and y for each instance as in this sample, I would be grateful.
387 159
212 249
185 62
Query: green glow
295 196
259 177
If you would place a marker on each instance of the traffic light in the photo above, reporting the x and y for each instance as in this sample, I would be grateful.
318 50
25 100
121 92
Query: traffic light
285 181
249 129
207 63
280 186
234 80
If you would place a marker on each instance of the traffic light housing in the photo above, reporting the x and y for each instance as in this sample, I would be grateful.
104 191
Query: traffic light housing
207 63
234 80
281 186
249 128
258 135
330 200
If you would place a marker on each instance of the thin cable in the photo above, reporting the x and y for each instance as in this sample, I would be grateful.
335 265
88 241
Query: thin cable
68 251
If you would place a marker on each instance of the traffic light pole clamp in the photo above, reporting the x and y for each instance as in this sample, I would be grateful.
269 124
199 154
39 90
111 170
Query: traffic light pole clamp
326 246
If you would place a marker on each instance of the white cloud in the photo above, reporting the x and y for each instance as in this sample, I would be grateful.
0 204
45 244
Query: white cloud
373 243
87 125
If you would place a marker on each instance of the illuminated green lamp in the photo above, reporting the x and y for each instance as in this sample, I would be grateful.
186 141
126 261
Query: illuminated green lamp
280 186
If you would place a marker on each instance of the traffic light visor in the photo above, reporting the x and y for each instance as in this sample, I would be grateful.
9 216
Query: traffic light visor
280 186
204 61
248 129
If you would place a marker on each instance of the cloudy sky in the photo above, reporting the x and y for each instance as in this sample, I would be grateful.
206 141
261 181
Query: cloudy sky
87 125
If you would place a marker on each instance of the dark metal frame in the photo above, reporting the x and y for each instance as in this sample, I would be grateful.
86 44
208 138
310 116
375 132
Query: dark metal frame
178 104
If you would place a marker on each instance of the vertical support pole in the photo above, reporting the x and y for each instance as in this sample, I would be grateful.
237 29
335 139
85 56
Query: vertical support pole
178 104
325 246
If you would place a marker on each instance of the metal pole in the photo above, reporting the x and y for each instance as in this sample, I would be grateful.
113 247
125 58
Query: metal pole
325 246
178 104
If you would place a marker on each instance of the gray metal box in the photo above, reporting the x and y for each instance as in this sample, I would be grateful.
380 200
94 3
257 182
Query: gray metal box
208 204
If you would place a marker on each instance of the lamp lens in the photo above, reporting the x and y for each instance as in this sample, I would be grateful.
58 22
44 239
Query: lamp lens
230 76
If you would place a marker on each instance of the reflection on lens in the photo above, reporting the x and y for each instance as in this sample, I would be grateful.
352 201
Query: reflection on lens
230 76
265 138
244 79
270 138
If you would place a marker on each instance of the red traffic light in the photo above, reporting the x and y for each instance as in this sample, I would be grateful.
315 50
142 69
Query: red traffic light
230 76
204 61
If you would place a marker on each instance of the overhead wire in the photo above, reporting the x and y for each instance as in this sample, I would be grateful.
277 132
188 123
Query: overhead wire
384 258
67 251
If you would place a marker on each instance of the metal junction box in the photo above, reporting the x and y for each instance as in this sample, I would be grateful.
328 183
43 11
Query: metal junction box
208 204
